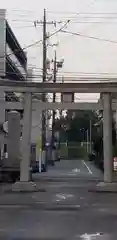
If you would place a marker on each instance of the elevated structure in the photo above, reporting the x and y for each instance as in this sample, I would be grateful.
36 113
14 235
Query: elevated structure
13 60
16 60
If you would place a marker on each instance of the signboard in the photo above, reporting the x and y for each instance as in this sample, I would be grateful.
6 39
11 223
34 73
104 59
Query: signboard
2 42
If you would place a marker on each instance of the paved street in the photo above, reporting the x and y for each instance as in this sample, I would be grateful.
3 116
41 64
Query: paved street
63 208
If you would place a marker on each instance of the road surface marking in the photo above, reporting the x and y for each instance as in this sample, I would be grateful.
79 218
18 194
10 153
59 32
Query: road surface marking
89 170
76 170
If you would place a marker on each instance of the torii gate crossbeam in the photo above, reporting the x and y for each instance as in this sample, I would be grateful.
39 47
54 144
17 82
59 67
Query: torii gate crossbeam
96 86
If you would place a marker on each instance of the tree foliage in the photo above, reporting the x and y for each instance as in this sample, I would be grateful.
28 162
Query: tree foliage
74 129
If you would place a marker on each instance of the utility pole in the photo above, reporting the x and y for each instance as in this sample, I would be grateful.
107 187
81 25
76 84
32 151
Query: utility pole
54 97
53 156
61 111
57 65
44 23
44 80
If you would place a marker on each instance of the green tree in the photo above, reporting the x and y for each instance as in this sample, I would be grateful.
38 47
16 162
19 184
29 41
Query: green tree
80 124
73 127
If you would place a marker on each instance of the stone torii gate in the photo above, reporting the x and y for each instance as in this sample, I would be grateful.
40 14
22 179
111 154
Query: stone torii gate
105 87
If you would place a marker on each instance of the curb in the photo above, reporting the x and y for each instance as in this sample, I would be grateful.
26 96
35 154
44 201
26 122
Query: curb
102 191
23 191
43 207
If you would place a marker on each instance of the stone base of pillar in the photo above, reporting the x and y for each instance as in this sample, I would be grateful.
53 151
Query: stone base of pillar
105 187
25 187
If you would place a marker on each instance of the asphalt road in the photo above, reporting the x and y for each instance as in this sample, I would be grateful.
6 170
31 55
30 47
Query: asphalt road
65 211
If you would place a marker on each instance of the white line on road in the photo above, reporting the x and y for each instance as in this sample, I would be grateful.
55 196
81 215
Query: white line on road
89 170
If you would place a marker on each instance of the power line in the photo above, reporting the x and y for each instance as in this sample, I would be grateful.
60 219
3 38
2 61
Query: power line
26 12
94 22
30 45
89 5
89 72
88 36
58 12
59 30
75 22
20 20
93 17
20 27
82 13
40 41
38 70
67 76
60 21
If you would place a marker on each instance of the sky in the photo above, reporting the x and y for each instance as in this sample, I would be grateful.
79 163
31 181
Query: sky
83 55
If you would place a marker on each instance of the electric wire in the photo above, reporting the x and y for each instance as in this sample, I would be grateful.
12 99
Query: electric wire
88 36
41 41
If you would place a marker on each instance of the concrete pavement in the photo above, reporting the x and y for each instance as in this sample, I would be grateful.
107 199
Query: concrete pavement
65 210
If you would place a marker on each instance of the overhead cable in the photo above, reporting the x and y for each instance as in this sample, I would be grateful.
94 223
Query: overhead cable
88 36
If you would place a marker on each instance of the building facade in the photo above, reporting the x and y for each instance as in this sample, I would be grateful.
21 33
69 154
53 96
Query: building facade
13 60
